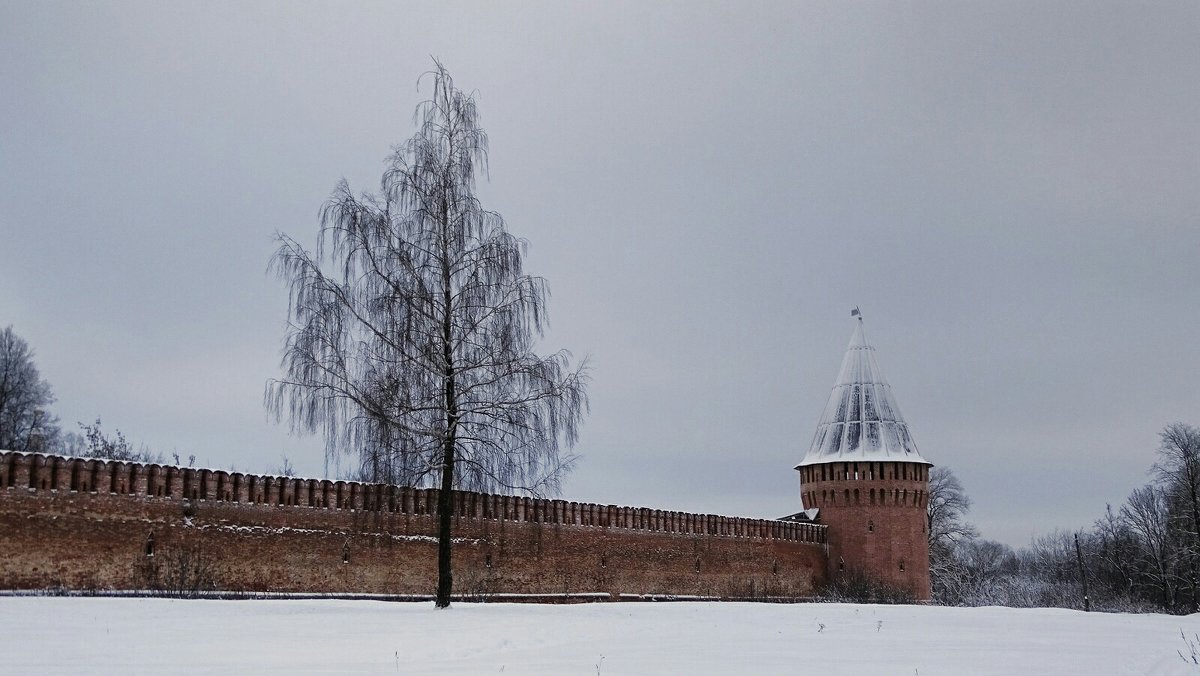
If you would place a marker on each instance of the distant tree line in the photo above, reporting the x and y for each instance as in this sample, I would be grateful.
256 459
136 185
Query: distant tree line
1140 557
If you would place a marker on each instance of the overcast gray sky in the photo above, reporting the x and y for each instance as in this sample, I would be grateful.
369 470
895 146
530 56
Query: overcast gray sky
1008 190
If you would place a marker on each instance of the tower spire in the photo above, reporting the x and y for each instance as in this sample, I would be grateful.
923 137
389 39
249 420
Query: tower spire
861 421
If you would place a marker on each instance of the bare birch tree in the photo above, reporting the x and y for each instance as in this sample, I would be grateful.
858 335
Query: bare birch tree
412 329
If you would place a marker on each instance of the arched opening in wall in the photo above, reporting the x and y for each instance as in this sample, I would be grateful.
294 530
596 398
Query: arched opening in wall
604 560
487 561
901 565
856 496
872 496
149 549
697 564
870 526
775 566
346 553
847 495
841 564
74 475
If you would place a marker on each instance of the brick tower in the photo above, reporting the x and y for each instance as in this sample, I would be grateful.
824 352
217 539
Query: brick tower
866 479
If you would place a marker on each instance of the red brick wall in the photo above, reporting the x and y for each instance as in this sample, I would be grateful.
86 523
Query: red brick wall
85 524
876 517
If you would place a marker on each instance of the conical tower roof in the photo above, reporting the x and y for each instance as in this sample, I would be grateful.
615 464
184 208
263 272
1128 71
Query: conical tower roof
861 422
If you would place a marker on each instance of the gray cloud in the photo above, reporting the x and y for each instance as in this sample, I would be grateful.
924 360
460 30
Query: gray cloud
1008 191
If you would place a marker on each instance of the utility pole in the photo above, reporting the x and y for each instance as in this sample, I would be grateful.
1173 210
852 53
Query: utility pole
1087 604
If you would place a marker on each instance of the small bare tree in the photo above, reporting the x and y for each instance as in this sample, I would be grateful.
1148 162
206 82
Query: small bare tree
1178 468
947 509
25 424
948 530
1148 516
413 349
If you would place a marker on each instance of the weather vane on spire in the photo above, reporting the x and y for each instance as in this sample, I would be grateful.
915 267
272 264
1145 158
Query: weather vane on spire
855 313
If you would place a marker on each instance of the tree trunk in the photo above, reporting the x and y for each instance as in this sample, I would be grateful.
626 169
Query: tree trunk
446 497
1195 531
445 520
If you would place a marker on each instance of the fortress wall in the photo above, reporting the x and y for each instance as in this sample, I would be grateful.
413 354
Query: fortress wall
94 524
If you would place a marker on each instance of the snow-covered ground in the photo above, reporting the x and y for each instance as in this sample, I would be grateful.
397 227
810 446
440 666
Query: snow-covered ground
159 636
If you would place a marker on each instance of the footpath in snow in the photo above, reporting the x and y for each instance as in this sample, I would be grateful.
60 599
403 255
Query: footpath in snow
46 635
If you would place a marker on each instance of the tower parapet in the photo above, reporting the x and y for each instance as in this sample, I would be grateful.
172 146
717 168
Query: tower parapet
865 476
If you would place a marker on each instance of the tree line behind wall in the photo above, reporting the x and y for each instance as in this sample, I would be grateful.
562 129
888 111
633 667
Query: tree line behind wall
1143 556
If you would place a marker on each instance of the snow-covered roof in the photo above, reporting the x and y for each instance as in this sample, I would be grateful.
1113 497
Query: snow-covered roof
861 421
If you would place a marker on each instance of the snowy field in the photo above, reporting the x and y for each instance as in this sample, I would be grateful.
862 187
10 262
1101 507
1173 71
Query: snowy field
159 636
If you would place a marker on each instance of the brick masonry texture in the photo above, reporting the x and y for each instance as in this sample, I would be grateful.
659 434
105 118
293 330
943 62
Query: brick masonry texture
876 514
89 524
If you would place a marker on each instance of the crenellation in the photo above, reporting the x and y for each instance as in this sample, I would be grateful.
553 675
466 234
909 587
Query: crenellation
34 474
62 472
